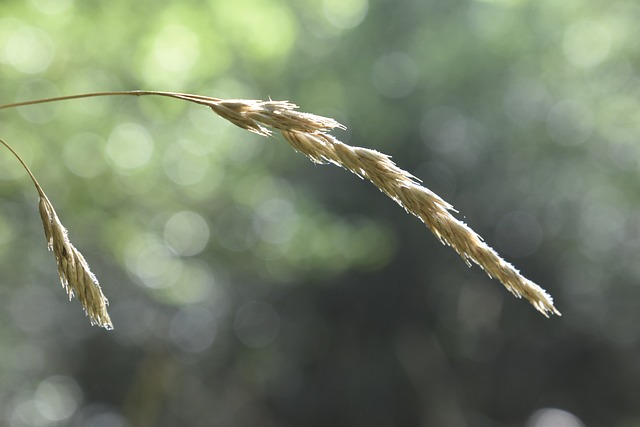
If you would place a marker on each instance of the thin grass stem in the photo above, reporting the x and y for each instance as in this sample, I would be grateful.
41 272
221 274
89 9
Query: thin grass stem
308 134
193 98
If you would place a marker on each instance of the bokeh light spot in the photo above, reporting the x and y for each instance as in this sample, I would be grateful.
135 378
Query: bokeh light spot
586 44
490 20
30 50
345 14
57 397
188 167
194 283
152 262
130 146
52 7
187 233
262 29
176 49
256 324
552 417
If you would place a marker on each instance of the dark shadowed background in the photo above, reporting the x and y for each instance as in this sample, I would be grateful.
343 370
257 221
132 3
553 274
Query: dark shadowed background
249 287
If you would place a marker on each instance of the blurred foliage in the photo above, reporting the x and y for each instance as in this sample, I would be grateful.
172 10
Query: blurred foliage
250 287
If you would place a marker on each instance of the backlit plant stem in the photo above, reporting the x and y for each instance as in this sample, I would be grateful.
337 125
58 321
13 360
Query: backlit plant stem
308 134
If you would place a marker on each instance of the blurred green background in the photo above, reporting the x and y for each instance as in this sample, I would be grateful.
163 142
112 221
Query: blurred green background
249 287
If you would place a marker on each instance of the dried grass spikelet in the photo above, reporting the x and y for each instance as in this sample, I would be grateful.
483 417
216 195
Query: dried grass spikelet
252 115
73 270
306 133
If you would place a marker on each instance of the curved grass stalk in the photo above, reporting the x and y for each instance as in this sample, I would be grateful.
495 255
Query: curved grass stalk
308 134
73 270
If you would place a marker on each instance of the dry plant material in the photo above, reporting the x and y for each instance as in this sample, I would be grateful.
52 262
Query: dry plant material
307 133
75 275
